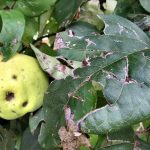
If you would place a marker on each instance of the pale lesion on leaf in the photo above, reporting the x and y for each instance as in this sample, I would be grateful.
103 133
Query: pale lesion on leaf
59 43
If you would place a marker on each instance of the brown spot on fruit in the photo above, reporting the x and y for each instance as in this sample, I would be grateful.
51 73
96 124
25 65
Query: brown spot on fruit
9 96
14 77
24 104
14 111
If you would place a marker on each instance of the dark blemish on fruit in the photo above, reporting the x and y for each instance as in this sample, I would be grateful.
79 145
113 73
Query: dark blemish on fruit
14 77
9 96
22 69
25 104
14 111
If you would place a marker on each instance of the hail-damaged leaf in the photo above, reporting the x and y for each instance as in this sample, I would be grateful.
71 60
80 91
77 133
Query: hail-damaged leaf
54 101
72 43
115 25
114 117
84 99
71 139
124 78
104 46
59 43
13 25
51 65
129 98
75 45
75 64
78 94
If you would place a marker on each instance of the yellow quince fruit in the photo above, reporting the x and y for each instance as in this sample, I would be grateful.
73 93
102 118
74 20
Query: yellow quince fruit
22 86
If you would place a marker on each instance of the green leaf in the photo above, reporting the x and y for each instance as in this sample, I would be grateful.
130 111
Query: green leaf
53 111
143 23
2 3
7 139
115 25
139 144
122 146
81 102
92 46
47 24
144 145
85 100
6 4
73 41
29 141
145 4
125 134
31 29
124 76
13 25
129 98
126 8
101 140
51 65
145 135
79 45
34 8
64 15
35 120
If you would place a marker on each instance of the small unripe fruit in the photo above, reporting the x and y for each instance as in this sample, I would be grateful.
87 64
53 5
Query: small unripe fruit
22 86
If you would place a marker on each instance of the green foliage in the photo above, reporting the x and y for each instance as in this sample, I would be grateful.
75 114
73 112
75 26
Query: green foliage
98 66
29 141
63 14
7 139
12 28
126 8
145 4
34 8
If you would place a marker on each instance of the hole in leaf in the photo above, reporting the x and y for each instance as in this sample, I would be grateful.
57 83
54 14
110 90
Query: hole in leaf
9 96
25 104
